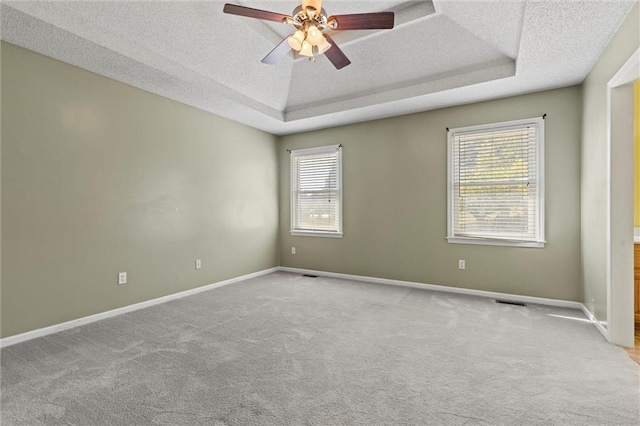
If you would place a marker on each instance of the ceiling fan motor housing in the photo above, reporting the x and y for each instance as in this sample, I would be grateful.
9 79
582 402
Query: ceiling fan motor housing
301 17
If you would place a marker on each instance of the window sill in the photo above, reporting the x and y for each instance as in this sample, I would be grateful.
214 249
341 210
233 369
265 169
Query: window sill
316 234
496 242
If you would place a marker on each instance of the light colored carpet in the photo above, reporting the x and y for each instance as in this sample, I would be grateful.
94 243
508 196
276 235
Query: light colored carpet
286 349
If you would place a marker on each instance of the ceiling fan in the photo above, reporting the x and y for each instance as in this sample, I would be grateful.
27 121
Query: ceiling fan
310 20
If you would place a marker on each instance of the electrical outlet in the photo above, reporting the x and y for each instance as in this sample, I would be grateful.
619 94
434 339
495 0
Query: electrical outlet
461 264
122 278
293 250
198 263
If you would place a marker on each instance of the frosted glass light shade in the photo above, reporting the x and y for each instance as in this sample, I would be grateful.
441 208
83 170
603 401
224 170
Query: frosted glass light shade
323 46
295 40
307 49
314 35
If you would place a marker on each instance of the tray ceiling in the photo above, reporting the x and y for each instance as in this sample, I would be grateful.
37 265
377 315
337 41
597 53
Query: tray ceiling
439 54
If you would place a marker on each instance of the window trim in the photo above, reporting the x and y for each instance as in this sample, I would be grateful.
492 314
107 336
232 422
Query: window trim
311 151
540 239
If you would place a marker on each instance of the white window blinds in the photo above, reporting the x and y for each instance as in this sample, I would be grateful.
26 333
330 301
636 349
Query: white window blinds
316 192
495 185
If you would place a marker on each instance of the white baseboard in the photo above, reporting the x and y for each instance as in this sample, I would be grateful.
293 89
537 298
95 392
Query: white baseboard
18 338
480 293
594 321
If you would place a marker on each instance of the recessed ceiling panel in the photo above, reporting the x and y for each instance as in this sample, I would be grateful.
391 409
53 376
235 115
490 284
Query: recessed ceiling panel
439 54
479 17
416 53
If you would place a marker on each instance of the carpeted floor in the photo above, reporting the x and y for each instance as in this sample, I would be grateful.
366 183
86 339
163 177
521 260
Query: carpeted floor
287 349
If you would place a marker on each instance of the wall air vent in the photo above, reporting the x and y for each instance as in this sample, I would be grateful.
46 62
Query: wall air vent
510 302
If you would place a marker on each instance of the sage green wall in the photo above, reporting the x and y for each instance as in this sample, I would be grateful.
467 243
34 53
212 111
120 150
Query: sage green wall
395 184
594 163
99 177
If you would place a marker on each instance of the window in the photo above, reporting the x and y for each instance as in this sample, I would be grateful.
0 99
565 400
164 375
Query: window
495 189
316 191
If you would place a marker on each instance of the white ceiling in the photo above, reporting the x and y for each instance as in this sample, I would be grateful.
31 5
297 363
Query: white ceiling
439 54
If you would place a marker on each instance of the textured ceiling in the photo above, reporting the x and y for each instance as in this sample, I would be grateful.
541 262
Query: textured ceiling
439 54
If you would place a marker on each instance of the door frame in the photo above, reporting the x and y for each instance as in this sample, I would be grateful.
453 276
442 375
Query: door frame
620 197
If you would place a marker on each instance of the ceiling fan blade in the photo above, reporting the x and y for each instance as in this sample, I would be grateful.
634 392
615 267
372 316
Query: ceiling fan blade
277 53
254 13
364 21
335 55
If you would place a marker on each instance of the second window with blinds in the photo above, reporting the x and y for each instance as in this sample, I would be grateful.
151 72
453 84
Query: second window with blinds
495 184
316 191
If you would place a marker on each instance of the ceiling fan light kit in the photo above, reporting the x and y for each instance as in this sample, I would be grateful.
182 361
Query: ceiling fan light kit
314 35
295 40
310 20
306 49
323 46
